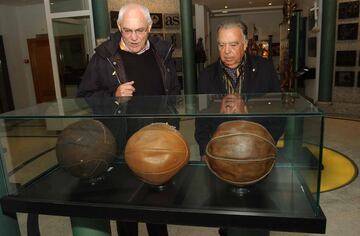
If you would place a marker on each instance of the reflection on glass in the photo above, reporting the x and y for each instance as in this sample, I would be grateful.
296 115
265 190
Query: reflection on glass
73 49
68 5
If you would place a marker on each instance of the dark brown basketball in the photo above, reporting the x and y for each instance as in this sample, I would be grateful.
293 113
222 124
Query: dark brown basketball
241 152
156 153
86 149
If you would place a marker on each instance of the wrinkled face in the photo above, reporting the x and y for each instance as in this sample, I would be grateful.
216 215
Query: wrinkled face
231 46
134 29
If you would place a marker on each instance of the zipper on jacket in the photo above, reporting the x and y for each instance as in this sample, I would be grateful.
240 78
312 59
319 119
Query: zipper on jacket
117 77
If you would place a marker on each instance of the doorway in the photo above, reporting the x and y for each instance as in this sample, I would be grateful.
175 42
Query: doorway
40 60
6 100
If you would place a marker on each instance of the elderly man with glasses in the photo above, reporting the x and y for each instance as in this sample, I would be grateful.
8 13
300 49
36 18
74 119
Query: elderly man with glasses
233 74
130 64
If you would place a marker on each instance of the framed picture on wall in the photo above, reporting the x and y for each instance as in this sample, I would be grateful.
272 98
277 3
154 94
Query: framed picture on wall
113 19
346 58
344 78
171 21
348 10
157 20
348 31
175 38
155 34
312 47
275 49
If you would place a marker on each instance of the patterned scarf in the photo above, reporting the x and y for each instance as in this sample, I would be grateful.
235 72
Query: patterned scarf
233 77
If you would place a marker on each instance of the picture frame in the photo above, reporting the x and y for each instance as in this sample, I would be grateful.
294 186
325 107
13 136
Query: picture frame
157 20
156 34
348 10
312 46
344 78
113 19
275 49
346 58
348 31
171 21
175 38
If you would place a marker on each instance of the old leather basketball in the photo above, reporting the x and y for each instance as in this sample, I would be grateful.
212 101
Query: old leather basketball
86 149
241 152
156 153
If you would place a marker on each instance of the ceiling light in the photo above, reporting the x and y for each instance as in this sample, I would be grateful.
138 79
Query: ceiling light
270 4
225 6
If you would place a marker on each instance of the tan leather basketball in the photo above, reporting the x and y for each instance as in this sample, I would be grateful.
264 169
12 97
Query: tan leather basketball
241 152
156 153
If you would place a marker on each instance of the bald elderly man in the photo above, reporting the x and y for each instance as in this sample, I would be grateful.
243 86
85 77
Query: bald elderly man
131 64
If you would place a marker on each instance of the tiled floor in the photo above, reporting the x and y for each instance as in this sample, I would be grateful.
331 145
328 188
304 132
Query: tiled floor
341 207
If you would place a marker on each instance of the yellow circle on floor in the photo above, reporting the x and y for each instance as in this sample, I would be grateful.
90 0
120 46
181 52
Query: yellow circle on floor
338 170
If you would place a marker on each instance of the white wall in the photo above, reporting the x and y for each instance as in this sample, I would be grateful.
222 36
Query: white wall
312 86
17 24
155 6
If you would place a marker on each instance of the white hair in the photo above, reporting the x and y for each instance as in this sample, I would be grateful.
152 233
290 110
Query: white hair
128 6
235 24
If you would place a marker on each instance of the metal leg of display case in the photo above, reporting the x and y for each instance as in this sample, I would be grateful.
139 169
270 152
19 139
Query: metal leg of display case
8 225
90 227
33 225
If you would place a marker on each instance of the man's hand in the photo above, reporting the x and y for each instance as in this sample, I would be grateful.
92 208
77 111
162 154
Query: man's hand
233 103
125 89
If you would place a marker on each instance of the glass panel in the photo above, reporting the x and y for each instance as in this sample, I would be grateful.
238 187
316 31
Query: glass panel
169 106
73 49
68 5
291 189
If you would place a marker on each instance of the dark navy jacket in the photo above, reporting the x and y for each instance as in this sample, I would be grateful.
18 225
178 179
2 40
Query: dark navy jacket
105 72
100 80
260 77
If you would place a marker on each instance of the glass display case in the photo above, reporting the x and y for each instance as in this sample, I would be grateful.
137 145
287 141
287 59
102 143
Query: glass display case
286 198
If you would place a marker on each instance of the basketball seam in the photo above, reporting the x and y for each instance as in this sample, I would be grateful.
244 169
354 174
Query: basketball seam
234 134
94 169
240 183
240 160
254 123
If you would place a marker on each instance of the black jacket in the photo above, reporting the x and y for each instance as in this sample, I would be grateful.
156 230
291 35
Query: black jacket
260 77
100 80
105 72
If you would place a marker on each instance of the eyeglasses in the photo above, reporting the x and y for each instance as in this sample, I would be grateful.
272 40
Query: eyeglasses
138 32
